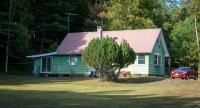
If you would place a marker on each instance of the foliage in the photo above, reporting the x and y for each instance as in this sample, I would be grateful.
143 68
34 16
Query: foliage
52 47
14 32
105 55
184 44
50 23
127 14
127 55
101 54
194 8
96 16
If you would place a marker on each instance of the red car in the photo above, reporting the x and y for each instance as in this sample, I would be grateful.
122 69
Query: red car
184 73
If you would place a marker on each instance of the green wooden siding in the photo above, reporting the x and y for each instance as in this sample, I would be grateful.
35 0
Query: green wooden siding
79 68
139 68
60 65
153 69
36 64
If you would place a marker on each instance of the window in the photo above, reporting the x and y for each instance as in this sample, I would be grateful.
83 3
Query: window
46 64
157 59
158 40
141 59
72 60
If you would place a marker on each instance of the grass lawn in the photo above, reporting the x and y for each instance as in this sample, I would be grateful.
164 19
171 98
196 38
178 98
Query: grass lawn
21 91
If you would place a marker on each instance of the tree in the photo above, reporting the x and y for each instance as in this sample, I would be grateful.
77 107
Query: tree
126 14
50 23
101 54
15 15
96 16
105 55
127 56
52 47
194 8
183 44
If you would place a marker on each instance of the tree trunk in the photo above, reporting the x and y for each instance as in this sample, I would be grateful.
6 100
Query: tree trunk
119 71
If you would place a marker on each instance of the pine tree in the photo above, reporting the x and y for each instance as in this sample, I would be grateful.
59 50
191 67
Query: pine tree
50 24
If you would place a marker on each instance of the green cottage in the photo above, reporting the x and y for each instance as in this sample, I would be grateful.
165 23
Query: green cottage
148 44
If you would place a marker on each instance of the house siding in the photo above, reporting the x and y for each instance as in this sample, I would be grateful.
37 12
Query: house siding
60 65
79 68
36 65
153 69
139 68
149 68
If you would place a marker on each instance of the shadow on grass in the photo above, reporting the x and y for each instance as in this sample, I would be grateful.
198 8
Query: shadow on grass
140 80
7 79
67 99
13 79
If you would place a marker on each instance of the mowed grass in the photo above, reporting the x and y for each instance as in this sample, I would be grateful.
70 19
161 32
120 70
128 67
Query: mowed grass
20 91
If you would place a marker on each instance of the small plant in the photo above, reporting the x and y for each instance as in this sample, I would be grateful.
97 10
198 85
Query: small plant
129 76
72 73
166 76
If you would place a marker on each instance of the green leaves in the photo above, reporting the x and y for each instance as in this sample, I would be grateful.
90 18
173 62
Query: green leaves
96 16
51 23
103 54
129 14
183 44
127 55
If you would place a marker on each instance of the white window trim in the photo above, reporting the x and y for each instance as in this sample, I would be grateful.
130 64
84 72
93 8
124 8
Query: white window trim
46 67
142 59
70 60
157 60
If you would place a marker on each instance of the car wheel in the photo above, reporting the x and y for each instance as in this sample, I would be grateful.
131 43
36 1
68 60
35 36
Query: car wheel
172 77
187 77
196 77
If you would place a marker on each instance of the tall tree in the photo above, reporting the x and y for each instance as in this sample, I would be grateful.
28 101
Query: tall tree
194 8
50 25
183 43
96 16
126 15
14 32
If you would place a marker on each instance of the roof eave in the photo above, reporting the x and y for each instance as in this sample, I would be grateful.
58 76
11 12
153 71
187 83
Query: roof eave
41 55
163 44
166 55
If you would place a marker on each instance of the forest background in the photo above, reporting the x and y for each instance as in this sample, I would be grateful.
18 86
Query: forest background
38 26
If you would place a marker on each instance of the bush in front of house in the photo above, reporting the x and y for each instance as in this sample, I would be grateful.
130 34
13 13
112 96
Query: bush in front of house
105 54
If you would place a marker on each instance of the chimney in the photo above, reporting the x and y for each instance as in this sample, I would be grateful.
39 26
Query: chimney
99 32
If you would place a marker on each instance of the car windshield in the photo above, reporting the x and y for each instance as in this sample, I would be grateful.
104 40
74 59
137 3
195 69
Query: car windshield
183 69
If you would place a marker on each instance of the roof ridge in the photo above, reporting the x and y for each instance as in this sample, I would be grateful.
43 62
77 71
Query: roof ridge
118 30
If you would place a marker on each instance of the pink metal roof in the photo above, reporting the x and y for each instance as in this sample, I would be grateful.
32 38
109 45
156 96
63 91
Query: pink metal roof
142 41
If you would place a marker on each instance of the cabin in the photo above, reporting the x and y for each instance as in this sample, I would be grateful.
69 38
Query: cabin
148 44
